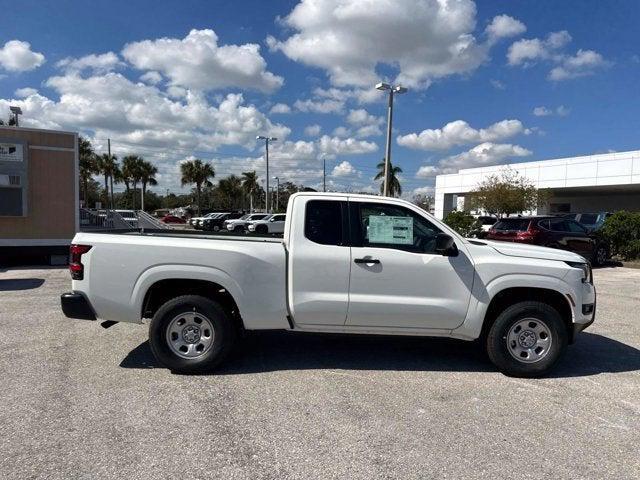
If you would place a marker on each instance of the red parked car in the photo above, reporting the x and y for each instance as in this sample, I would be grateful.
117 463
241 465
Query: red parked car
554 232
172 219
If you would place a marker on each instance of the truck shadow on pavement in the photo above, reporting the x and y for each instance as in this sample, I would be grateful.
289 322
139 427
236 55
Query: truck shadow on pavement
14 284
260 352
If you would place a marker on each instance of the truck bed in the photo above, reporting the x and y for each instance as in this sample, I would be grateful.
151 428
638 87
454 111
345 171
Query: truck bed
122 266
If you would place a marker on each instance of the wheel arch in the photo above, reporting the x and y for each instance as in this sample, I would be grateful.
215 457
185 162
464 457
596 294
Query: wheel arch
166 289
512 295
163 282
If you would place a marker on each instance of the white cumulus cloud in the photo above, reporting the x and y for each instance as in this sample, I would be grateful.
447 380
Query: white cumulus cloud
98 63
504 26
344 169
345 146
421 39
280 108
460 132
198 61
312 130
17 56
487 153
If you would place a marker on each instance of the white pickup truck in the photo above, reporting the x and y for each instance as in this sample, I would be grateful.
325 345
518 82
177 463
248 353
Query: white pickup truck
346 264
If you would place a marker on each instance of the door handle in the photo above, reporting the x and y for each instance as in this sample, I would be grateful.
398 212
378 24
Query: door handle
366 260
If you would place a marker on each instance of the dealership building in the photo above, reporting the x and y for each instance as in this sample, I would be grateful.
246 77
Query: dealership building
39 211
591 183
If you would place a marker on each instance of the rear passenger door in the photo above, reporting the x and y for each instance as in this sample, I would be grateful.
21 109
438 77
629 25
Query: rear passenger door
319 261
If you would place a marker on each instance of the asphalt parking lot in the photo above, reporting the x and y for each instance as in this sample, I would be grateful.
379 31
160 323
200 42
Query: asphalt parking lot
79 401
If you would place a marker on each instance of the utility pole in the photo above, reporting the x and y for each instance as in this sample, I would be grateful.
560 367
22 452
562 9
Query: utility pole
387 158
324 174
110 176
266 148
277 193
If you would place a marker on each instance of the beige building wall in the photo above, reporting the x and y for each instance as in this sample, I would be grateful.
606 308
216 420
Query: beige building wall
52 183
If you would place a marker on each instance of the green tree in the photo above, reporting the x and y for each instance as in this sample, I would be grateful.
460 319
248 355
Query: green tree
132 173
461 222
148 174
505 194
250 186
622 232
196 172
88 166
231 190
395 189
423 201
108 166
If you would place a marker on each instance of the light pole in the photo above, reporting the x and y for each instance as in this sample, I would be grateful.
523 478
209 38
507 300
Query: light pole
277 193
324 173
266 148
16 111
393 89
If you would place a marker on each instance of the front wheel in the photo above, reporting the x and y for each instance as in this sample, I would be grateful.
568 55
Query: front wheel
527 339
191 334
262 229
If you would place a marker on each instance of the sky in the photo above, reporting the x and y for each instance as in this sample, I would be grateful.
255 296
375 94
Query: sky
489 82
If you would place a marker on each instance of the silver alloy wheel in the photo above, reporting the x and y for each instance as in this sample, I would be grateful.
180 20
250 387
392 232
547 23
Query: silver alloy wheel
529 340
190 335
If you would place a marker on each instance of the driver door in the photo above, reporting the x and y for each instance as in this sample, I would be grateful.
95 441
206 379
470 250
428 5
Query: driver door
397 279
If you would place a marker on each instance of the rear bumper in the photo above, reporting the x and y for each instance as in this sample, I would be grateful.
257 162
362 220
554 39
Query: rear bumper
75 305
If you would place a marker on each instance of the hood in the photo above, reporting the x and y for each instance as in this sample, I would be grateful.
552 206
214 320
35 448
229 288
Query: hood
514 249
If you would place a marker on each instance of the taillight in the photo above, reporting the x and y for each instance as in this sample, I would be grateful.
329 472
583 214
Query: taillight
75 260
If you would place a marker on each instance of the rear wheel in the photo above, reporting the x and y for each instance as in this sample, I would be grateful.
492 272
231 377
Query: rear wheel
191 334
527 339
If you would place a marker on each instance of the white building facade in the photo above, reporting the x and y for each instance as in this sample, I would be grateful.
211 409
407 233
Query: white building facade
591 183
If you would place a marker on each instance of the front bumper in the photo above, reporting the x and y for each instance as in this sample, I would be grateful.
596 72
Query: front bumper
76 305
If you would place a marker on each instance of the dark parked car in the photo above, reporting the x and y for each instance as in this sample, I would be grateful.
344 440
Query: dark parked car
172 219
554 232
593 221
216 224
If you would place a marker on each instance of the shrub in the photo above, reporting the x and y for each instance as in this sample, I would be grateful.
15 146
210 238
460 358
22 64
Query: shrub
622 231
461 222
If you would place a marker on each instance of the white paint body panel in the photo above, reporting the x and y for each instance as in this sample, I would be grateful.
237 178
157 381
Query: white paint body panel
320 286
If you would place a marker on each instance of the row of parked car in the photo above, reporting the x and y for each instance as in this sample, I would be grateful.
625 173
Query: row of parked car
261 223
576 232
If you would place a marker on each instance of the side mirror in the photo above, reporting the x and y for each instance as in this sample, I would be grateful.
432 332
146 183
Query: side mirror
445 245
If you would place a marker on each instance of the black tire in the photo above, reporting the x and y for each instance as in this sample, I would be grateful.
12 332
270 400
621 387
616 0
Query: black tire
600 256
262 229
224 334
498 347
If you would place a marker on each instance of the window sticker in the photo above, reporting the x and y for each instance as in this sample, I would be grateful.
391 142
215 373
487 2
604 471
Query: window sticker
389 229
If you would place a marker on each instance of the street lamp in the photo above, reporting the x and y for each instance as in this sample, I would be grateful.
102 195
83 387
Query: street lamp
266 147
393 89
16 111
277 193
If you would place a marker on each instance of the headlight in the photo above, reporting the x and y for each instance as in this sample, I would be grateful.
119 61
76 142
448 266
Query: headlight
587 274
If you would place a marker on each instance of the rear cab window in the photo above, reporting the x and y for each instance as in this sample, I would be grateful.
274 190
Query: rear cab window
325 222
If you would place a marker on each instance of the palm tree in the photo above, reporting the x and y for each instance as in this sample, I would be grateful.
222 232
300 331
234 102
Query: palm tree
198 173
147 177
231 188
395 189
88 166
132 171
108 166
250 185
